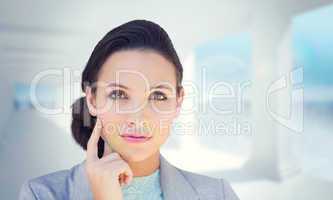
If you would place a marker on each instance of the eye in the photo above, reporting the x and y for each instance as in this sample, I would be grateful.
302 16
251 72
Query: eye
159 96
118 94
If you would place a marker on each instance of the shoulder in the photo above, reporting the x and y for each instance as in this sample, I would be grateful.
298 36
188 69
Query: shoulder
56 185
206 185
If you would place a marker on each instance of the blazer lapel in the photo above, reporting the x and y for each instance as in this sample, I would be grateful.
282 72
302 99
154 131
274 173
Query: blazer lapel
81 188
173 184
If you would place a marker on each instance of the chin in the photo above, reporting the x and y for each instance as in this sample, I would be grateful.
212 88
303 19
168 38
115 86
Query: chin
136 156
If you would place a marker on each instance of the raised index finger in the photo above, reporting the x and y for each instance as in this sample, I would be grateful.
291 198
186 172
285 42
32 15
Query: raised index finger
92 145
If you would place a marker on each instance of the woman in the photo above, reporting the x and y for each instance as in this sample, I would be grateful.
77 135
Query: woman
133 87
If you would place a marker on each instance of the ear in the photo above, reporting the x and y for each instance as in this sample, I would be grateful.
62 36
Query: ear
180 100
91 101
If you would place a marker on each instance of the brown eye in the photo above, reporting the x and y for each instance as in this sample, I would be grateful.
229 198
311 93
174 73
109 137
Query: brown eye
118 94
159 96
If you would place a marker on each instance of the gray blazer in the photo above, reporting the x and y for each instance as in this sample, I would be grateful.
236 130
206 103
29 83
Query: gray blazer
176 184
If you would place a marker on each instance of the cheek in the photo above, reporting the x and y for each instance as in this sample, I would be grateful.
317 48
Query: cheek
102 103
163 108
161 128
111 123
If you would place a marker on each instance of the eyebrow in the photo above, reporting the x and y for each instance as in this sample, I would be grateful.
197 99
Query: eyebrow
118 85
161 86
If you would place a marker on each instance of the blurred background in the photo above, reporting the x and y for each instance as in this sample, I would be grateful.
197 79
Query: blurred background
258 75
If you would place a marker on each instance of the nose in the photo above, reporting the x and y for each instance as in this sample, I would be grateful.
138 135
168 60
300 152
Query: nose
137 119
138 114
137 126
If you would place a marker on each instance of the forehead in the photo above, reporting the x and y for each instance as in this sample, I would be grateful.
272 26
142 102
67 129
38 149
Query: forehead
133 67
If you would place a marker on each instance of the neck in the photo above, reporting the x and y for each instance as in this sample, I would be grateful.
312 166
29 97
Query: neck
145 167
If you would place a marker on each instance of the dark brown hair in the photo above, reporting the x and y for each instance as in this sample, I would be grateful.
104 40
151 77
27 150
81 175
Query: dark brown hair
136 34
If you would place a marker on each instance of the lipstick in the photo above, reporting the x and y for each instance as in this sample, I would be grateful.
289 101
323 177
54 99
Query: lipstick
135 138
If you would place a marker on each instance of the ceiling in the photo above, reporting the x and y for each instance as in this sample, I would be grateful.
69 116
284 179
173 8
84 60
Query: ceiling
35 35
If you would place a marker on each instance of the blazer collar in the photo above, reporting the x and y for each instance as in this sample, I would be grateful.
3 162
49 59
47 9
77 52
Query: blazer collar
173 183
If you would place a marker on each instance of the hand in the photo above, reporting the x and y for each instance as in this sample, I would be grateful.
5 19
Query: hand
106 175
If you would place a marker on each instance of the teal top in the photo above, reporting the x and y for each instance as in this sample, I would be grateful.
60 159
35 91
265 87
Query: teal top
144 188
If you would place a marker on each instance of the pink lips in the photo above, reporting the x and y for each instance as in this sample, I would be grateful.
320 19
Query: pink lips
135 138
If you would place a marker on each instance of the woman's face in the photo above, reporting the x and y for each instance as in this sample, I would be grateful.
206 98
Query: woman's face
136 96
